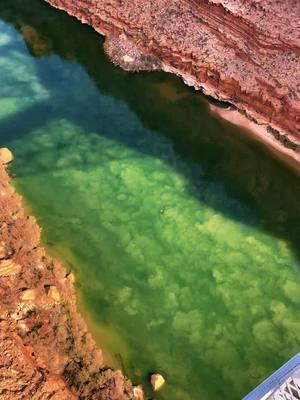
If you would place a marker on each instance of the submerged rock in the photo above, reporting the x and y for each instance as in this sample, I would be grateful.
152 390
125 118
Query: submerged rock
37 44
157 381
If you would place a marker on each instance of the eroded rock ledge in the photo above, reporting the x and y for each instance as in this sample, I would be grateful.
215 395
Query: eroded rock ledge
243 52
45 349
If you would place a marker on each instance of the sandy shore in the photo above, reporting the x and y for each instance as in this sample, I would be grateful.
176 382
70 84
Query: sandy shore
261 134
46 350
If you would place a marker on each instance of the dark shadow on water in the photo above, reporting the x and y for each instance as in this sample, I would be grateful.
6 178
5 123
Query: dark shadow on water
166 106
23 122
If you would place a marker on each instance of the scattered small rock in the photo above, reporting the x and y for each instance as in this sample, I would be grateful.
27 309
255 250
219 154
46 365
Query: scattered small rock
157 382
23 326
138 393
28 295
54 294
128 59
6 156
2 250
9 267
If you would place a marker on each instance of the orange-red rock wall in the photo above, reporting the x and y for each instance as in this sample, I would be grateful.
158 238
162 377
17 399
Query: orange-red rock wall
243 52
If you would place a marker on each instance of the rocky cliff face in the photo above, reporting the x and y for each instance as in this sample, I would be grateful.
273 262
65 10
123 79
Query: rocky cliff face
242 52
45 349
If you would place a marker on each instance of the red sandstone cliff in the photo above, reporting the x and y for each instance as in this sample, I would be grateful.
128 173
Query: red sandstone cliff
45 349
245 52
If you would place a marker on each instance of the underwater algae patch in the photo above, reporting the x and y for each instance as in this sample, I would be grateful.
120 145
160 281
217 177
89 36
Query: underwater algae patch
183 237
176 279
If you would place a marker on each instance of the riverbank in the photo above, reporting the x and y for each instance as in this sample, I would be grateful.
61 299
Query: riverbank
46 350
261 134
245 54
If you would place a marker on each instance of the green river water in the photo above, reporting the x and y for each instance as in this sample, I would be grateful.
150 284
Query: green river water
183 235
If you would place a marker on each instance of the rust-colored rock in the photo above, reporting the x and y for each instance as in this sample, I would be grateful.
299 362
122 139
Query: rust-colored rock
45 349
242 52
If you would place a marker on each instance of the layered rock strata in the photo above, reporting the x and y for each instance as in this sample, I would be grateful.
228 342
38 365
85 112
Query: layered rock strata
45 349
242 52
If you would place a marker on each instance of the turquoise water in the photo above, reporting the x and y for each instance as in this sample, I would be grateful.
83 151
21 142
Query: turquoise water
184 236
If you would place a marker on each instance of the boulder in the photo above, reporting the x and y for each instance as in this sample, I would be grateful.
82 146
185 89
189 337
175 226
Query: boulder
6 156
54 294
138 393
157 382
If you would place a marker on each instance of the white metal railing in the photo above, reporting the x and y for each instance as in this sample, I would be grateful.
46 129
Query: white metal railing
284 384
290 389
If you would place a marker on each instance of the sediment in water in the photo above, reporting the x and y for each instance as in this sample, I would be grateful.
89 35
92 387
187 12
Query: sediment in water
45 348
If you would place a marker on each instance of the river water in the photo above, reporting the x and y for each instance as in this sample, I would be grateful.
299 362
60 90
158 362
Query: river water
183 235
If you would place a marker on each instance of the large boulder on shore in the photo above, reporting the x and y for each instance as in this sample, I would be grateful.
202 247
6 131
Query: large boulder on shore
6 156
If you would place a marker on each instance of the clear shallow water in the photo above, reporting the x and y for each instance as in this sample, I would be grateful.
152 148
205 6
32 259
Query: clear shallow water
184 237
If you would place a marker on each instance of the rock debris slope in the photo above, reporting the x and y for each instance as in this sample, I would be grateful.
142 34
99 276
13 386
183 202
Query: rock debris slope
45 349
